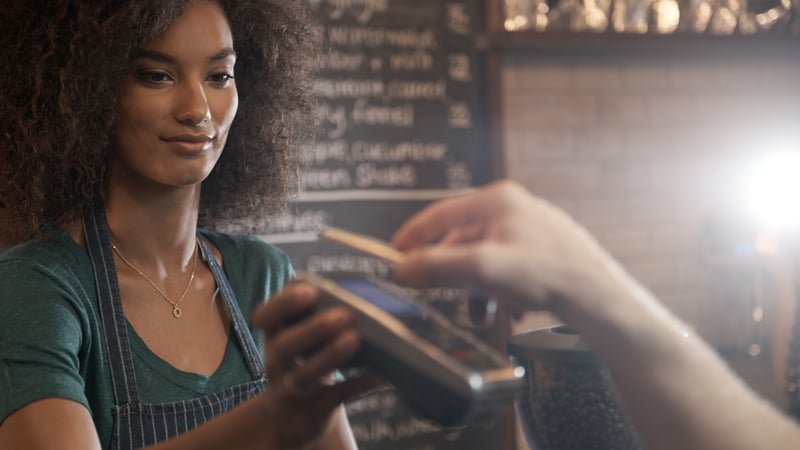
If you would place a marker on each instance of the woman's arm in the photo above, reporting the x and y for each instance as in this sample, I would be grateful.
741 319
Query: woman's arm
298 409
54 423
58 424
504 241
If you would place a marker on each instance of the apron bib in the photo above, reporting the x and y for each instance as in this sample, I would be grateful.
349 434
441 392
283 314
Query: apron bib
138 424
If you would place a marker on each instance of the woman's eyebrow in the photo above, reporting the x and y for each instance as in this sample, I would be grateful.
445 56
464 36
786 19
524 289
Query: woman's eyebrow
152 54
163 57
224 53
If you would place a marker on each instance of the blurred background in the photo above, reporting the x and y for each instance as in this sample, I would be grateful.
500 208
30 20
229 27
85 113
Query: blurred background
716 17
668 128
672 135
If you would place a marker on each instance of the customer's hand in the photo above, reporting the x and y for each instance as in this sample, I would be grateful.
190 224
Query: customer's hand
503 241
302 352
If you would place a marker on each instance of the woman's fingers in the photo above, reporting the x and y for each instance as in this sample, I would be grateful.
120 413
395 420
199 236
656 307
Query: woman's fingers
352 387
319 404
308 376
304 347
310 333
307 337
294 301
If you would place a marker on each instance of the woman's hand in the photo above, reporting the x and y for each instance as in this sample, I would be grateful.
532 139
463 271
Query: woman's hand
302 352
503 241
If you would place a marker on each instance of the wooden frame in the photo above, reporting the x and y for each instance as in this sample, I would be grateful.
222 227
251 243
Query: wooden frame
494 81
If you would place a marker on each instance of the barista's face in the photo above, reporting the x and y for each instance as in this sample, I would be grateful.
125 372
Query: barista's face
177 103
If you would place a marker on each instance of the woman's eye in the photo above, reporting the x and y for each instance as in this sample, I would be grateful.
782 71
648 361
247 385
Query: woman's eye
222 78
154 77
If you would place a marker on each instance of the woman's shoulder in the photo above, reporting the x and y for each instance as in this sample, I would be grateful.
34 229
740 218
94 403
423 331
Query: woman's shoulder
255 268
251 256
44 278
58 256
245 245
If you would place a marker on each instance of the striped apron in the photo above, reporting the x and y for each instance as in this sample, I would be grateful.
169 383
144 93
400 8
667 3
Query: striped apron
138 424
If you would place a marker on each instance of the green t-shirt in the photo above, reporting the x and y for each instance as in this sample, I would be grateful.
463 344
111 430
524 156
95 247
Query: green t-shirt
51 338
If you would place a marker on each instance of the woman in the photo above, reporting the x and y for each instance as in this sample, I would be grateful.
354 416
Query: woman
123 324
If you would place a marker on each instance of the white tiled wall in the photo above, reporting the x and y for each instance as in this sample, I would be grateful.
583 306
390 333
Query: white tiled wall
642 149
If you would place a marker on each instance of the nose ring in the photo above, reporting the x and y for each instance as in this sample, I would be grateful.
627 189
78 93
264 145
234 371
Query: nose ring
204 120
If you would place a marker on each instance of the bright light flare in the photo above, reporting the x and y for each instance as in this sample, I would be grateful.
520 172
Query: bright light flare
773 193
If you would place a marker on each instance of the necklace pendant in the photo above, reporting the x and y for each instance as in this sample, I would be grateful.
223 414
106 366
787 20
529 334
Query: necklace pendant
176 311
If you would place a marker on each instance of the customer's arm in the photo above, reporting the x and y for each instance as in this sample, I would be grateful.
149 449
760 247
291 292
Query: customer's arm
782 278
504 241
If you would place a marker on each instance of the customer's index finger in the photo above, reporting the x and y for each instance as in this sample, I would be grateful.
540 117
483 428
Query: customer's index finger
435 220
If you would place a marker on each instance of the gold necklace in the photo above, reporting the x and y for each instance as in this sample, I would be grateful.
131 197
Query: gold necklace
176 310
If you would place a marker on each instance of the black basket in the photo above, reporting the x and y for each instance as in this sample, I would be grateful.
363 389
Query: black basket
569 402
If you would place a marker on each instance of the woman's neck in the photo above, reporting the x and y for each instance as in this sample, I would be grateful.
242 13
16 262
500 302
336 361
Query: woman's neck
156 227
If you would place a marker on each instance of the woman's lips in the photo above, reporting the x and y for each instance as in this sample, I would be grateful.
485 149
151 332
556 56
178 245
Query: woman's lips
189 144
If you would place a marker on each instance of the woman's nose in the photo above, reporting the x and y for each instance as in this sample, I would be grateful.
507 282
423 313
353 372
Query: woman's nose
193 108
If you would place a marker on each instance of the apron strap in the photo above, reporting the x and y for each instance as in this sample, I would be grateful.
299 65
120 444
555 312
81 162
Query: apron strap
98 242
249 350
123 377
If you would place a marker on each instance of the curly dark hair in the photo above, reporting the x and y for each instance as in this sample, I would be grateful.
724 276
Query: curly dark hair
60 67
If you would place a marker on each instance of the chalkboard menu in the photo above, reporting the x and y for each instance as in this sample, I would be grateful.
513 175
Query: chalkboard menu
403 124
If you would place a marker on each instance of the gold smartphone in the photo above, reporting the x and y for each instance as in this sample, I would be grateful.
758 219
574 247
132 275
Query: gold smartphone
482 309
363 243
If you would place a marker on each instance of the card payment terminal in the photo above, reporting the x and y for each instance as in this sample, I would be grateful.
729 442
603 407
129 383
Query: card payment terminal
442 372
